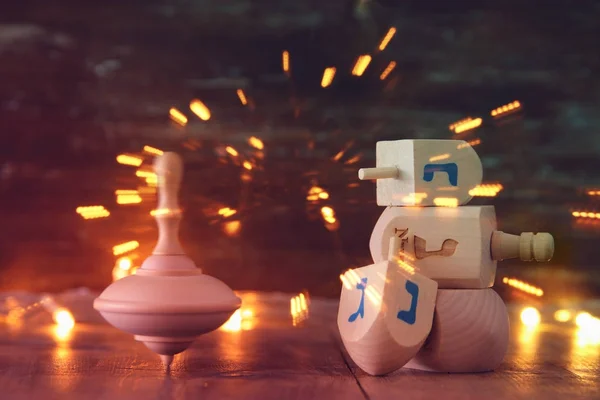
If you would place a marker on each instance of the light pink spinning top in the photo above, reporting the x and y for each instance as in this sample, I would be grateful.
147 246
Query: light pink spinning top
168 302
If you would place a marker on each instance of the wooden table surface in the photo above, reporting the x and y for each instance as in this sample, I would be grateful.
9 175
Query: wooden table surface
266 356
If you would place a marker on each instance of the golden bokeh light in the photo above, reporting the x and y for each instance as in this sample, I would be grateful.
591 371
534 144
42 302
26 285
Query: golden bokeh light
446 202
241 320
563 315
468 125
125 247
92 212
242 96
361 64
256 143
285 61
486 190
177 116
231 151
390 67
153 150
127 159
501 111
386 39
523 286
200 109
530 317
328 76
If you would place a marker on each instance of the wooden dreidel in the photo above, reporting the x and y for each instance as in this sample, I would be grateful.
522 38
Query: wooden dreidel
470 333
458 247
424 172
385 313
169 301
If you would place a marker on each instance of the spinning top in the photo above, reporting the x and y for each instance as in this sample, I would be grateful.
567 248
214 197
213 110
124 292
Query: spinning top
169 301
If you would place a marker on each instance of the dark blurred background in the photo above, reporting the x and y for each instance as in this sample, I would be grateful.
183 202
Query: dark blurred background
82 82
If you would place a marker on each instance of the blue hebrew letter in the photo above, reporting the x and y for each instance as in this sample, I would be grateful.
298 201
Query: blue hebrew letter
410 316
450 168
361 307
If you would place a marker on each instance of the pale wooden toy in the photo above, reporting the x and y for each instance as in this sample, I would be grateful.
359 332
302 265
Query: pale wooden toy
470 333
168 302
457 247
424 172
386 315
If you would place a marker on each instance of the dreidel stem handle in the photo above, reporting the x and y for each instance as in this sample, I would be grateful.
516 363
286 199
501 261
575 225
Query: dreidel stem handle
365 174
527 246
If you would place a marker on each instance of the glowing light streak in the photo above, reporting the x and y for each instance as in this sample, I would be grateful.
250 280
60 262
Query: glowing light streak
125 247
153 150
127 159
510 107
328 76
361 65
523 286
468 125
256 143
386 39
242 97
177 116
390 67
200 109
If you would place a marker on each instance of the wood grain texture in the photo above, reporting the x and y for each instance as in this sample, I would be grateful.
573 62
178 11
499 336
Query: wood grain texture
427 169
468 266
275 360
470 333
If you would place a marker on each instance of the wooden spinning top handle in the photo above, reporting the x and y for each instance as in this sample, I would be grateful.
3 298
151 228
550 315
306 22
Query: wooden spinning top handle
169 173
528 246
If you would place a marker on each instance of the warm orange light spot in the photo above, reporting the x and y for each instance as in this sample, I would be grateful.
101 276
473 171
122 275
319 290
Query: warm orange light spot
200 109
256 143
125 247
328 214
92 212
328 76
439 157
361 65
240 320
530 317
124 263
523 286
390 67
468 125
177 116
247 165
129 199
227 212
486 190
562 315
232 228
285 61
231 151
445 201
63 318
505 108
127 159
153 150
386 39
323 195
242 96
354 159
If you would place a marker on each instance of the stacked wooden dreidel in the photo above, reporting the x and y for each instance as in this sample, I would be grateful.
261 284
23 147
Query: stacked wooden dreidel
169 301
424 185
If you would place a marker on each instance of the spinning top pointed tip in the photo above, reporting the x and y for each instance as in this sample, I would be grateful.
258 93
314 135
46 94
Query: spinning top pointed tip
167 361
